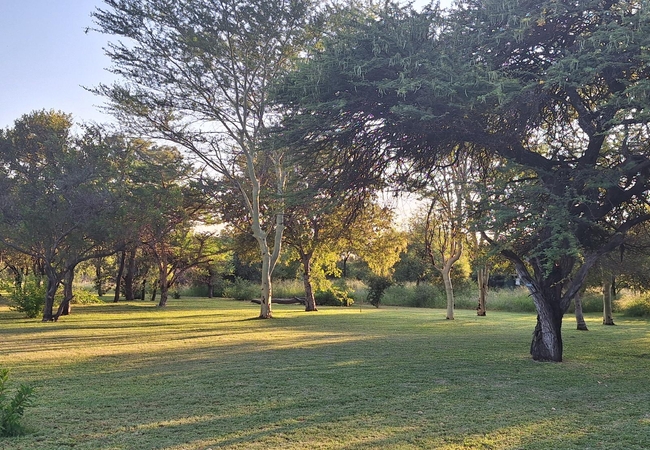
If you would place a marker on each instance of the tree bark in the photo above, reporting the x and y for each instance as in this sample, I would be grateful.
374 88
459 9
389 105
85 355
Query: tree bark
310 301
607 300
65 307
449 290
266 310
482 277
118 277
129 275
580 318
547 337
164 293
52 286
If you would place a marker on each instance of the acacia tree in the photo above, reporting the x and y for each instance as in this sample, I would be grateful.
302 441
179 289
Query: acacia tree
58 196
197 73
556 90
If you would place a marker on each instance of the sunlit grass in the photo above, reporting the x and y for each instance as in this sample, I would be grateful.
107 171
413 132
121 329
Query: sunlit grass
201 374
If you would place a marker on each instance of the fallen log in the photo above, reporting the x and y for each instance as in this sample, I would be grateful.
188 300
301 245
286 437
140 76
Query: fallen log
285 301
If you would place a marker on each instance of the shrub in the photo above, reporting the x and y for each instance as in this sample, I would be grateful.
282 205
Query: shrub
637 307
85 297
242 289
376 287
30 299
334 296
11 411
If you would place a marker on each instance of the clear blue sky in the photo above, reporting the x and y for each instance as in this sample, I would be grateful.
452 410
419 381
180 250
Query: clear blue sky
46 58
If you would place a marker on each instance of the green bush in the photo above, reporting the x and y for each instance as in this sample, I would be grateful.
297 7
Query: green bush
30 299
377 285
334 296
85 297
637 307
11 411
242 289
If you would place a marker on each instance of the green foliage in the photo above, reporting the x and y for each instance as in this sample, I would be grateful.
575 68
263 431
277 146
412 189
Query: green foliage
29 298
11 411
334 296
85 297
242 289
376 287
637 307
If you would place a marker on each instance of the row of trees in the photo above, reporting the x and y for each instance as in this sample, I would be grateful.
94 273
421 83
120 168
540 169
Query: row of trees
69 200
66 199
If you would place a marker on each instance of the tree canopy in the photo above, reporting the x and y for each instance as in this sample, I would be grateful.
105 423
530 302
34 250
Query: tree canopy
555 91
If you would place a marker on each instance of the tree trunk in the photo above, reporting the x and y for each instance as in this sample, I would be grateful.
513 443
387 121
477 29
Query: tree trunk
449 290
310 301
144 289
65 307
164 293
580 318
52 286
607 300
266 311
129 275
547 337
212 278
99 282
154 290
482 277
118 278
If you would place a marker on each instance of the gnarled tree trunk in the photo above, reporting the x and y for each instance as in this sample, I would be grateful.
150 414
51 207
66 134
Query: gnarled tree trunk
52 286
547 337
65 308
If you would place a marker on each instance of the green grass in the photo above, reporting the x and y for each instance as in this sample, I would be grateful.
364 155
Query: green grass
200 374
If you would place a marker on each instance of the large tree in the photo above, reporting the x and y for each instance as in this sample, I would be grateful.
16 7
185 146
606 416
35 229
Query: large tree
557 90
59 195
198 73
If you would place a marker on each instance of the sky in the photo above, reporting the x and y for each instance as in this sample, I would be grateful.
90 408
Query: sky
47 58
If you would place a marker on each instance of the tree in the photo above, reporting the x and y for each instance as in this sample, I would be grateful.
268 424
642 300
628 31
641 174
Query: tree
58 195
198 73
169 206
554 90
447 220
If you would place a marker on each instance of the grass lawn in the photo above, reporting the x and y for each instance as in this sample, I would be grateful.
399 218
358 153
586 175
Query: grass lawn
200 374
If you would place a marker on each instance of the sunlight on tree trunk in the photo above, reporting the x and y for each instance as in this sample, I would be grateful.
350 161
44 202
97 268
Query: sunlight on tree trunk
580 318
